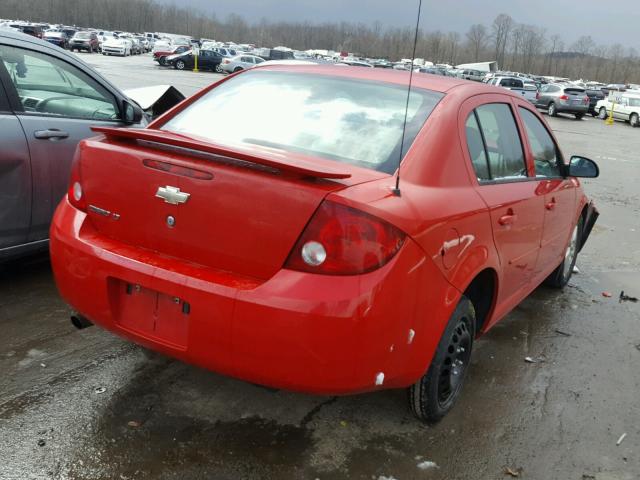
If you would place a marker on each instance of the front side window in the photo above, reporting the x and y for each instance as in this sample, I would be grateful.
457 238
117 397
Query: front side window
48 85
502 142
342 119
545 152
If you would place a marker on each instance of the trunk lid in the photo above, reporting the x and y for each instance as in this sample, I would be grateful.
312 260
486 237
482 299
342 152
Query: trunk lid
243 213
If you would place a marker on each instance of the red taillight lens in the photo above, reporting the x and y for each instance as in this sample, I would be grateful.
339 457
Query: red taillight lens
564 97
75 194
226 62
341 240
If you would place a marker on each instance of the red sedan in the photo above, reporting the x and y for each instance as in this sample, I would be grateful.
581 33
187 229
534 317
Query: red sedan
256 229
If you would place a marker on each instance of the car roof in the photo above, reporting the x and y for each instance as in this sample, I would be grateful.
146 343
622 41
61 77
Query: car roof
434 83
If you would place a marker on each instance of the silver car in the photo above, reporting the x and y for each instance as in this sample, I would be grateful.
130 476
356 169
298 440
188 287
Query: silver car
240 62
49 99
558 98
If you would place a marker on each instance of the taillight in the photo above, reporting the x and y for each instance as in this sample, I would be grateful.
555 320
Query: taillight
75 194
226 62
586 100
341 240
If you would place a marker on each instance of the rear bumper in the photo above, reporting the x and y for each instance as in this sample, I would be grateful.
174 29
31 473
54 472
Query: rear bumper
566 108
297 331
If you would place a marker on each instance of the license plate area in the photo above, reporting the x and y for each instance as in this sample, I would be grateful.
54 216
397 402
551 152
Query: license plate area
152 314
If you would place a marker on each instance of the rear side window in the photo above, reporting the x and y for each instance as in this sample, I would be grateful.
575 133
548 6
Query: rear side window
342 119
502 144
476 148
545 152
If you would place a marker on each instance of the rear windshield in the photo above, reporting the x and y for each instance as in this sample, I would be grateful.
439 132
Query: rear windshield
82 35
574 90
347 120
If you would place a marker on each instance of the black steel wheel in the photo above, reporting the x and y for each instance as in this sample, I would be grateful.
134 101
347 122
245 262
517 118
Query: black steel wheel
435 394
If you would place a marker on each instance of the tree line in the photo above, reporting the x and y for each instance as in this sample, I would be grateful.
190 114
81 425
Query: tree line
515 46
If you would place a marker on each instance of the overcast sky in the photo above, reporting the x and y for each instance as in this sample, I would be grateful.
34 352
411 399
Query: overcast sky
606 22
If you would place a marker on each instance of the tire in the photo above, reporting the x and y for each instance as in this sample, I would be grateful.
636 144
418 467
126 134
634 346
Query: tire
237 69
602 114
179 65
435 394
579 116
162 61
218 68
562 274
634 120
553 110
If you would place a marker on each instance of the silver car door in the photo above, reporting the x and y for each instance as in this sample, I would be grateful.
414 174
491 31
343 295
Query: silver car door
15 177
57 104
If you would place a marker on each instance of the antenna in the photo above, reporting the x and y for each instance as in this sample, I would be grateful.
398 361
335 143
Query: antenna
396 191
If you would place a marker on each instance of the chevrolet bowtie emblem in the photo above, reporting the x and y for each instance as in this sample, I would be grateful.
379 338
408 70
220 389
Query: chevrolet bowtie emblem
172 195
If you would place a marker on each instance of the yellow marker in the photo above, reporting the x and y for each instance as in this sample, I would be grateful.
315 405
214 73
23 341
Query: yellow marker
195 65
610 119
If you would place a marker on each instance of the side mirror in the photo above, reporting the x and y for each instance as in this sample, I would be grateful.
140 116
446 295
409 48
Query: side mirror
131 113
583 167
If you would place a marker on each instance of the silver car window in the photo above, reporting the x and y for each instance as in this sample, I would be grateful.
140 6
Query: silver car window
48 85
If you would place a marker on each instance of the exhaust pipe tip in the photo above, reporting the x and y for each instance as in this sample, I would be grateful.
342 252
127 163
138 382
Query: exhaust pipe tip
80 322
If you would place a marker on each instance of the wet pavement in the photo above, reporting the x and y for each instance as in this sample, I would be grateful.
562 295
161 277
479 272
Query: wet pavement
88 405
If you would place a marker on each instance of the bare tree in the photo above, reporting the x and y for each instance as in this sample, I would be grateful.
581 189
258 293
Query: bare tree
501 28
477 38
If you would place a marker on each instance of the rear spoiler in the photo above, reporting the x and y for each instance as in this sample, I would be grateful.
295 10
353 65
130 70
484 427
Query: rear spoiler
273 159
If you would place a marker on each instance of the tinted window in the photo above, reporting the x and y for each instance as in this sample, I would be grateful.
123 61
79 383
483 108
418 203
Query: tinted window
341 119
545 153
476 148
47 85
506 156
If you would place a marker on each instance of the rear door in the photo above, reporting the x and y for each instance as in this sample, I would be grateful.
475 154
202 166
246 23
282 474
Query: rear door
15 176
559 192
505 183
56 103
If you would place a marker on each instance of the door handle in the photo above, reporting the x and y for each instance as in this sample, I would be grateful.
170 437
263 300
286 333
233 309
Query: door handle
551 205
50 134
508 219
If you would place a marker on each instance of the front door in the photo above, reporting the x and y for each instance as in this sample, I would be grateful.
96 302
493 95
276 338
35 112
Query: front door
56 104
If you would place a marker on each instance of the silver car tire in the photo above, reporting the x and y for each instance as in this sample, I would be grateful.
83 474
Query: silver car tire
553 110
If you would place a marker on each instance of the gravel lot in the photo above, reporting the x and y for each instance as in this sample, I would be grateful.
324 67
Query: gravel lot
87 405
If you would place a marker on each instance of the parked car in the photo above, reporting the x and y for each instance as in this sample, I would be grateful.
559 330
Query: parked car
329 276
225 52
161 54
356 63
117 46
433 71
563 98
475 75
136 46
239 62
87 41
625 106
207 60
517 86
595 95
144 43
57 38
33 30
49 102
